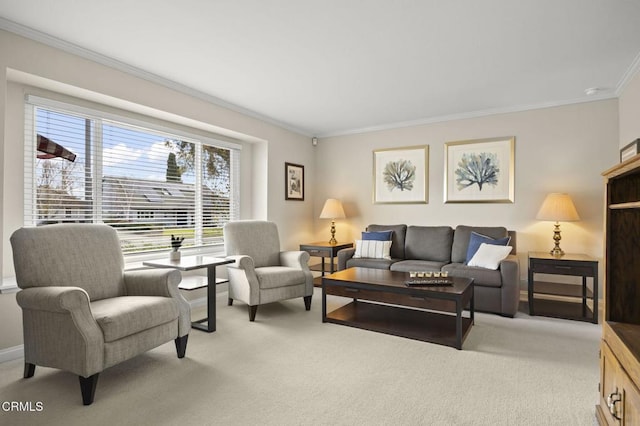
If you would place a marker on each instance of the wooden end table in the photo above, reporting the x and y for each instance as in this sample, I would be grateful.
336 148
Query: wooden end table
190 263
573 301
324 249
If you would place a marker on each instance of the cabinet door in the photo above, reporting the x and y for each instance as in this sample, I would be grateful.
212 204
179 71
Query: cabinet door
631 403
610 384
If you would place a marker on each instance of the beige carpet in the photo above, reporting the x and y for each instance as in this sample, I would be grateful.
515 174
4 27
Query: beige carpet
288 368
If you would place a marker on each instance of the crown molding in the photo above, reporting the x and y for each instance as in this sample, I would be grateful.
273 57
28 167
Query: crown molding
468 115
628 75
82 52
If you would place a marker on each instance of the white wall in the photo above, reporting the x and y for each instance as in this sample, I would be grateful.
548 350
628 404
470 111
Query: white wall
561 149
26 63
630 111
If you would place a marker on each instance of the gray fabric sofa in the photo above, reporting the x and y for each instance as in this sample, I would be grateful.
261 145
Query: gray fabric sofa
441 248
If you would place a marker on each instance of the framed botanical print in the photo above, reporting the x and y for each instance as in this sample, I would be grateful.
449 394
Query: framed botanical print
293 182
400 175
480 171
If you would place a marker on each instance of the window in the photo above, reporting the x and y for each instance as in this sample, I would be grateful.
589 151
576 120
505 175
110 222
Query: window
146 181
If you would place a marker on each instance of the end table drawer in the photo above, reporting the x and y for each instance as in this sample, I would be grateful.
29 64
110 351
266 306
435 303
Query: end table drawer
544 268
318 253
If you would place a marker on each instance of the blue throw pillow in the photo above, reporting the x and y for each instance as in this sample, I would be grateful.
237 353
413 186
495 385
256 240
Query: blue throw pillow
377 236
476 239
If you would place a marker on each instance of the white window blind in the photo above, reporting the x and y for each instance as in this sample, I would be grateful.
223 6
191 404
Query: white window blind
146 181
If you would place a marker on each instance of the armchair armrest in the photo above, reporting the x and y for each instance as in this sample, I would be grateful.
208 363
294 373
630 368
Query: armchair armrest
152 282
57 321
243 281
53 299
295 259
343 256
164 283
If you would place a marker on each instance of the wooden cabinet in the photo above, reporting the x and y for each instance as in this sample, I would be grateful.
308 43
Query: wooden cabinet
620 347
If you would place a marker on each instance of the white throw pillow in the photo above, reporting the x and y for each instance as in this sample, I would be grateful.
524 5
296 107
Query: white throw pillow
373 249
489 256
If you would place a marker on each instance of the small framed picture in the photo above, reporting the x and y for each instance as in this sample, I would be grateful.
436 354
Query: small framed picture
293 182
629 150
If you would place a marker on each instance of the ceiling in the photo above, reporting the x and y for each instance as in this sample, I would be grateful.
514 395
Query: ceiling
333 67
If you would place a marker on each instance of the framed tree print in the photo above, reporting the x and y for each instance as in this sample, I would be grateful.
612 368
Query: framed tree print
293 182
400 175
479 171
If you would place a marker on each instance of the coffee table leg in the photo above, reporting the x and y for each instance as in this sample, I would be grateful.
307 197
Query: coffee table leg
324 303
458 324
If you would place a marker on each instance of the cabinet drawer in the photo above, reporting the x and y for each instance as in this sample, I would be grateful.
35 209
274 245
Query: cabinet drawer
318 253
546 268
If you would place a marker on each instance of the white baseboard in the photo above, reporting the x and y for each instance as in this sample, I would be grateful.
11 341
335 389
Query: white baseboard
9 354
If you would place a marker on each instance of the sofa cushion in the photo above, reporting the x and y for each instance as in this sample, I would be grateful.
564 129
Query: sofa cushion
397 238
417 266
481 276
429 243
370 263
372 249
378 236
123 316
489 256
476 239
462 235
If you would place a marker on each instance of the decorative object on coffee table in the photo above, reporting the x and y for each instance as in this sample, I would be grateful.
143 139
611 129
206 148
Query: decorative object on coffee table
480 171
557 207
400 175
332 210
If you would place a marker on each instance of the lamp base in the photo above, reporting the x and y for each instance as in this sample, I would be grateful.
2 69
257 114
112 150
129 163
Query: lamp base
557 251
333 240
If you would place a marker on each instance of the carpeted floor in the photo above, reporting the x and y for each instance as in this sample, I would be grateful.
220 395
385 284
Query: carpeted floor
288 368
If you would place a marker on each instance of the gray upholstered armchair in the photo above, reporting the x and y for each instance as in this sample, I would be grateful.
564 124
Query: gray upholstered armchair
262 273
81 311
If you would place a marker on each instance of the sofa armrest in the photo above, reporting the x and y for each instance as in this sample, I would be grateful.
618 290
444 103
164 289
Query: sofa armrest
510 275
343 256
295 259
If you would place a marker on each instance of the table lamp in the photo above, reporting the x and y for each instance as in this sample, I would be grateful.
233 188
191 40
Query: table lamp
558 208
332 210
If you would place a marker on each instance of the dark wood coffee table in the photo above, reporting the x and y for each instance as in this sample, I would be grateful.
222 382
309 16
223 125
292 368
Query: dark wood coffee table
382 302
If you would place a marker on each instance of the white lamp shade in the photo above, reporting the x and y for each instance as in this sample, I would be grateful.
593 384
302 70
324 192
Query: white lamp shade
332 210
558 207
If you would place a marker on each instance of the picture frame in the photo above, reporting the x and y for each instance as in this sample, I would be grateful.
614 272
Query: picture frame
480 170
630 150
293 182
401 175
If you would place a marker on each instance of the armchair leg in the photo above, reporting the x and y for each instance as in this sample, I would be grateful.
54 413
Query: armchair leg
29 370
307 302
88 388
229 302
181 345
252 312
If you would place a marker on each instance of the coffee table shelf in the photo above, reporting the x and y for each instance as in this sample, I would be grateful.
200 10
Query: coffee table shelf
410 323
